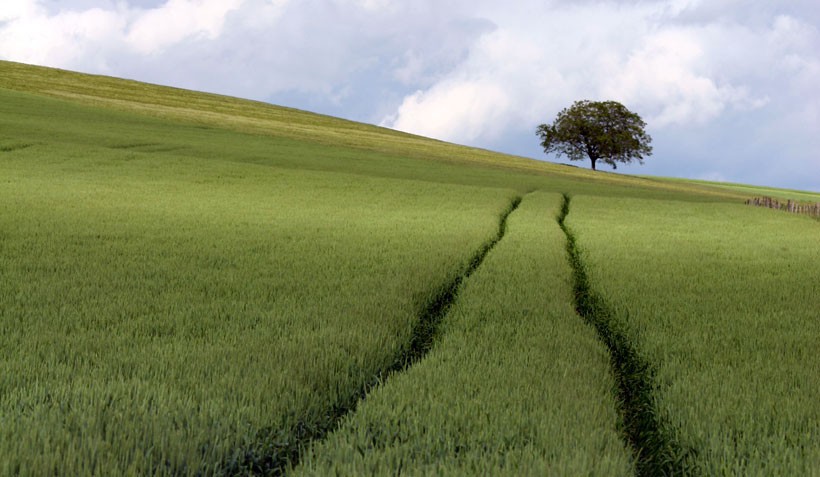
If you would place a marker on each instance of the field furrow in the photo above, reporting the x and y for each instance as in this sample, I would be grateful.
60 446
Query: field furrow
278 449
653 446
428 323
516 384
723 300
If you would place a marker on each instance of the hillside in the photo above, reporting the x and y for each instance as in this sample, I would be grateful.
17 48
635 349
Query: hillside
196 284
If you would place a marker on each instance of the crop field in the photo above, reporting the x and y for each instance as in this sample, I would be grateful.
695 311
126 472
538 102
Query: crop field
198 285
749 190
734 343
146 284
548 409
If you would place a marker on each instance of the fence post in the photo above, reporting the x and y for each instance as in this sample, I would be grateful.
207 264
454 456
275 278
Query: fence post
788 206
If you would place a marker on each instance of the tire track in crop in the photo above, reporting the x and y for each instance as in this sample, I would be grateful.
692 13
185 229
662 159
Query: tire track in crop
425 331
275 450
15 147
655 451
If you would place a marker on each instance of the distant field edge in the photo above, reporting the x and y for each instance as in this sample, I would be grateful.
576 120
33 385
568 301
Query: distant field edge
742 190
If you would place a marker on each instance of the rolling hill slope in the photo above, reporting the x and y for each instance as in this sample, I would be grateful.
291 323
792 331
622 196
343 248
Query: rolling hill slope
200 285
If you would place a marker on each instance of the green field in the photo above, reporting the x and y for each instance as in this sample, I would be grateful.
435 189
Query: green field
748 190
517 384
192 284
733 343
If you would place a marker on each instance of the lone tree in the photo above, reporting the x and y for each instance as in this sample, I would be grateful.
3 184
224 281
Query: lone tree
599 130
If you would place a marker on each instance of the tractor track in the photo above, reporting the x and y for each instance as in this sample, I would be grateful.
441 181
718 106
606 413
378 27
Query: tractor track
276 450
654 449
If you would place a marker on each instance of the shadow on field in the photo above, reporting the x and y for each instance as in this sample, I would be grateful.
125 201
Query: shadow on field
276 450
655 450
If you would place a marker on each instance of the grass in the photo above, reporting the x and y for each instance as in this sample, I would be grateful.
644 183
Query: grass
175 295
516 384
274 453
721 299
187 308
170 293
194 284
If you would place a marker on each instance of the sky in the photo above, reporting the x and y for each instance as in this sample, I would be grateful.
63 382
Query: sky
729 89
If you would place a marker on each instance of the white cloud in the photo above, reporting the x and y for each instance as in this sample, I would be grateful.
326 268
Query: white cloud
14 9
458 109
92 37
30 35
554 56
665 77
177 20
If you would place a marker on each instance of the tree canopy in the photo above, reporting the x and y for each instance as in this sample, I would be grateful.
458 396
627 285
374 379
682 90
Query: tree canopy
600 130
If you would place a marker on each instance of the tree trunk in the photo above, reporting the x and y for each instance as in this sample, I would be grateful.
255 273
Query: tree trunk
593 159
